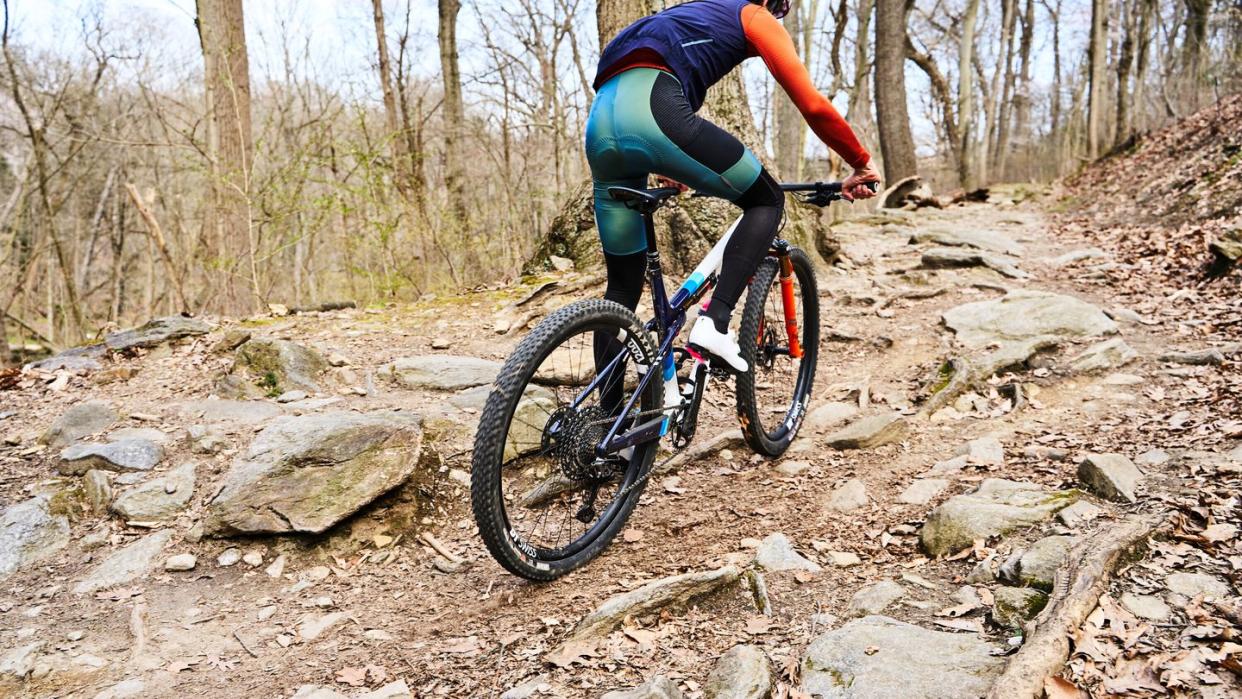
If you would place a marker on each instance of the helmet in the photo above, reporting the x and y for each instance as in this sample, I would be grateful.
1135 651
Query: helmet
778 8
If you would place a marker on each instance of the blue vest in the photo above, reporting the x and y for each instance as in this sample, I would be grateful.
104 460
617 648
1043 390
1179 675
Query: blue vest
701 41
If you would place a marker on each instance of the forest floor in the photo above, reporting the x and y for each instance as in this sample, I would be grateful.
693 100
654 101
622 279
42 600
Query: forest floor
367 603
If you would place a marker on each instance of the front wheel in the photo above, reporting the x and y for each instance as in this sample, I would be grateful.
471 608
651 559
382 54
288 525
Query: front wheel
545 501
780 320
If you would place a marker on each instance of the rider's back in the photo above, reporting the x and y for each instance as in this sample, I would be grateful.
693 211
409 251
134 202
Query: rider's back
699 41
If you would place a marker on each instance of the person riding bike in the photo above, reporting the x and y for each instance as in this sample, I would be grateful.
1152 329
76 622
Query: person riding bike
651 80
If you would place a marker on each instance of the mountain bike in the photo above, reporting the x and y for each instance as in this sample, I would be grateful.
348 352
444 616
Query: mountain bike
570 432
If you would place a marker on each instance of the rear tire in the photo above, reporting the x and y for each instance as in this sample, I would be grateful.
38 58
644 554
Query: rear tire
761 336
494 508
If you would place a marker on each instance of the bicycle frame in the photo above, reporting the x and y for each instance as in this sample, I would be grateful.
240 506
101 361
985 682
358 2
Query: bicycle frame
670 317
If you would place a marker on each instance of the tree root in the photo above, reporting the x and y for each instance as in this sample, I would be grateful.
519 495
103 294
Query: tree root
1076 591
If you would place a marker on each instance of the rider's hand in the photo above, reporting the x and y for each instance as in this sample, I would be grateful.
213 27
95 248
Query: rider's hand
662 181
855 186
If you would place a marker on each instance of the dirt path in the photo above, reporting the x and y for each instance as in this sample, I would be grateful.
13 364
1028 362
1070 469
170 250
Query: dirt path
390 614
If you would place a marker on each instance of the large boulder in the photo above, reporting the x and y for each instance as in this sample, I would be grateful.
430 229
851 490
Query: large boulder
122 456
306 473
529 420
266 367
126 564
81 420
996 508
1023 314
881 657
158 498
441 372
30 532
741 673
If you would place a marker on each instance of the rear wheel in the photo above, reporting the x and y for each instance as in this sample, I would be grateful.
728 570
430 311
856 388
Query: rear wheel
544 500
772 396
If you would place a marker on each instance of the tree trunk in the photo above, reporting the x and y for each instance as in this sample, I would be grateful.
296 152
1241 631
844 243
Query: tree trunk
1097 65
454 113
858 110
1022 98
896 143
1000 129
1146 17
1125 61
790 137
965 98
402 176
222 34
1196 45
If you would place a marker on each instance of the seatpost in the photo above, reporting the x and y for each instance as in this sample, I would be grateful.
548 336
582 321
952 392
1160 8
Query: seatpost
655 275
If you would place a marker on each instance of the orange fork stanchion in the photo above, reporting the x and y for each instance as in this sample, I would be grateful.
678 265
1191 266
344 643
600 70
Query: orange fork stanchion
791 311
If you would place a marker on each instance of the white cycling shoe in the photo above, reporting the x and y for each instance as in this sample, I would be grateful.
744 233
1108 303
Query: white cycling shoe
724 346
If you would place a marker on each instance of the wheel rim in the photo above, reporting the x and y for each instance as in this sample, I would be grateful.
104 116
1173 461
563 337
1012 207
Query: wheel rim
780 380
556 498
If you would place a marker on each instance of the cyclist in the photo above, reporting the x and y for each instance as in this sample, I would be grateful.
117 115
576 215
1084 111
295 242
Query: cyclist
651 80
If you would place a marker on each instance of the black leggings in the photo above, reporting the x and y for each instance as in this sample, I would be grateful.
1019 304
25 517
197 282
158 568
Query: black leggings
762 205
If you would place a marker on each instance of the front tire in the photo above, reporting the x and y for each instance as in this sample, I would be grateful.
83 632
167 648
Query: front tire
773 395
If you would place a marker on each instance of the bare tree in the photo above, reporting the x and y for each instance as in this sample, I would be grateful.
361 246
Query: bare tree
896 142
1097 57
454 112
222 33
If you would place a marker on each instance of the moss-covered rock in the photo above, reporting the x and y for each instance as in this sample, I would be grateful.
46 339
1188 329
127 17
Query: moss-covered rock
1013 605
995 509
265 367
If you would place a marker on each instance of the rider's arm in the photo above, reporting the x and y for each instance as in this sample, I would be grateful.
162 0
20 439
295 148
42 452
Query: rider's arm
769 40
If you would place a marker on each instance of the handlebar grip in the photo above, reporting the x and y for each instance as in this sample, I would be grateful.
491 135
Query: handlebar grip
873 186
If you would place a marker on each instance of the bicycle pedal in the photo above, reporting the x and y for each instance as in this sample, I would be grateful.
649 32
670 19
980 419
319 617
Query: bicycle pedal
719 373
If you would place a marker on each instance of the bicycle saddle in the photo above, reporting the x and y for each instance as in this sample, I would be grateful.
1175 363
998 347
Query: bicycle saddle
643 200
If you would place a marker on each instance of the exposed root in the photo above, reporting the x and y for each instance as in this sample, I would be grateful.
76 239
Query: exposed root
1077 590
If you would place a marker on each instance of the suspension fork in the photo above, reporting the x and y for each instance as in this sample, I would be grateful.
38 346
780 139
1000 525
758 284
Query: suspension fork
788 302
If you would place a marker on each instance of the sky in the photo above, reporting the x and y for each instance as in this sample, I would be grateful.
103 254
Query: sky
337 36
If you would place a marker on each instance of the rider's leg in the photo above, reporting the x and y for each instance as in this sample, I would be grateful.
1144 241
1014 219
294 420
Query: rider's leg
763 204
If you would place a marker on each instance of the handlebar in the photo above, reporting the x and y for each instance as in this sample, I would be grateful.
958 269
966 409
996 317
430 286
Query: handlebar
814 193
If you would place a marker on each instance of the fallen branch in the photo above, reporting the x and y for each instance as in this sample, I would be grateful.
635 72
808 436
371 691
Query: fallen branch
325 306
439 547
157 235
1076 592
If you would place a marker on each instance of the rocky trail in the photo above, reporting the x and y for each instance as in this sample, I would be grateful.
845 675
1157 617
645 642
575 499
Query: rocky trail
1006 417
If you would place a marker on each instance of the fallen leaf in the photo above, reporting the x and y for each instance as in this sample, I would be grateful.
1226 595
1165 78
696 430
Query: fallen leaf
871 650
758 625
1058 688
572 652
672 484
632 536
352 676
469 644
1219 532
